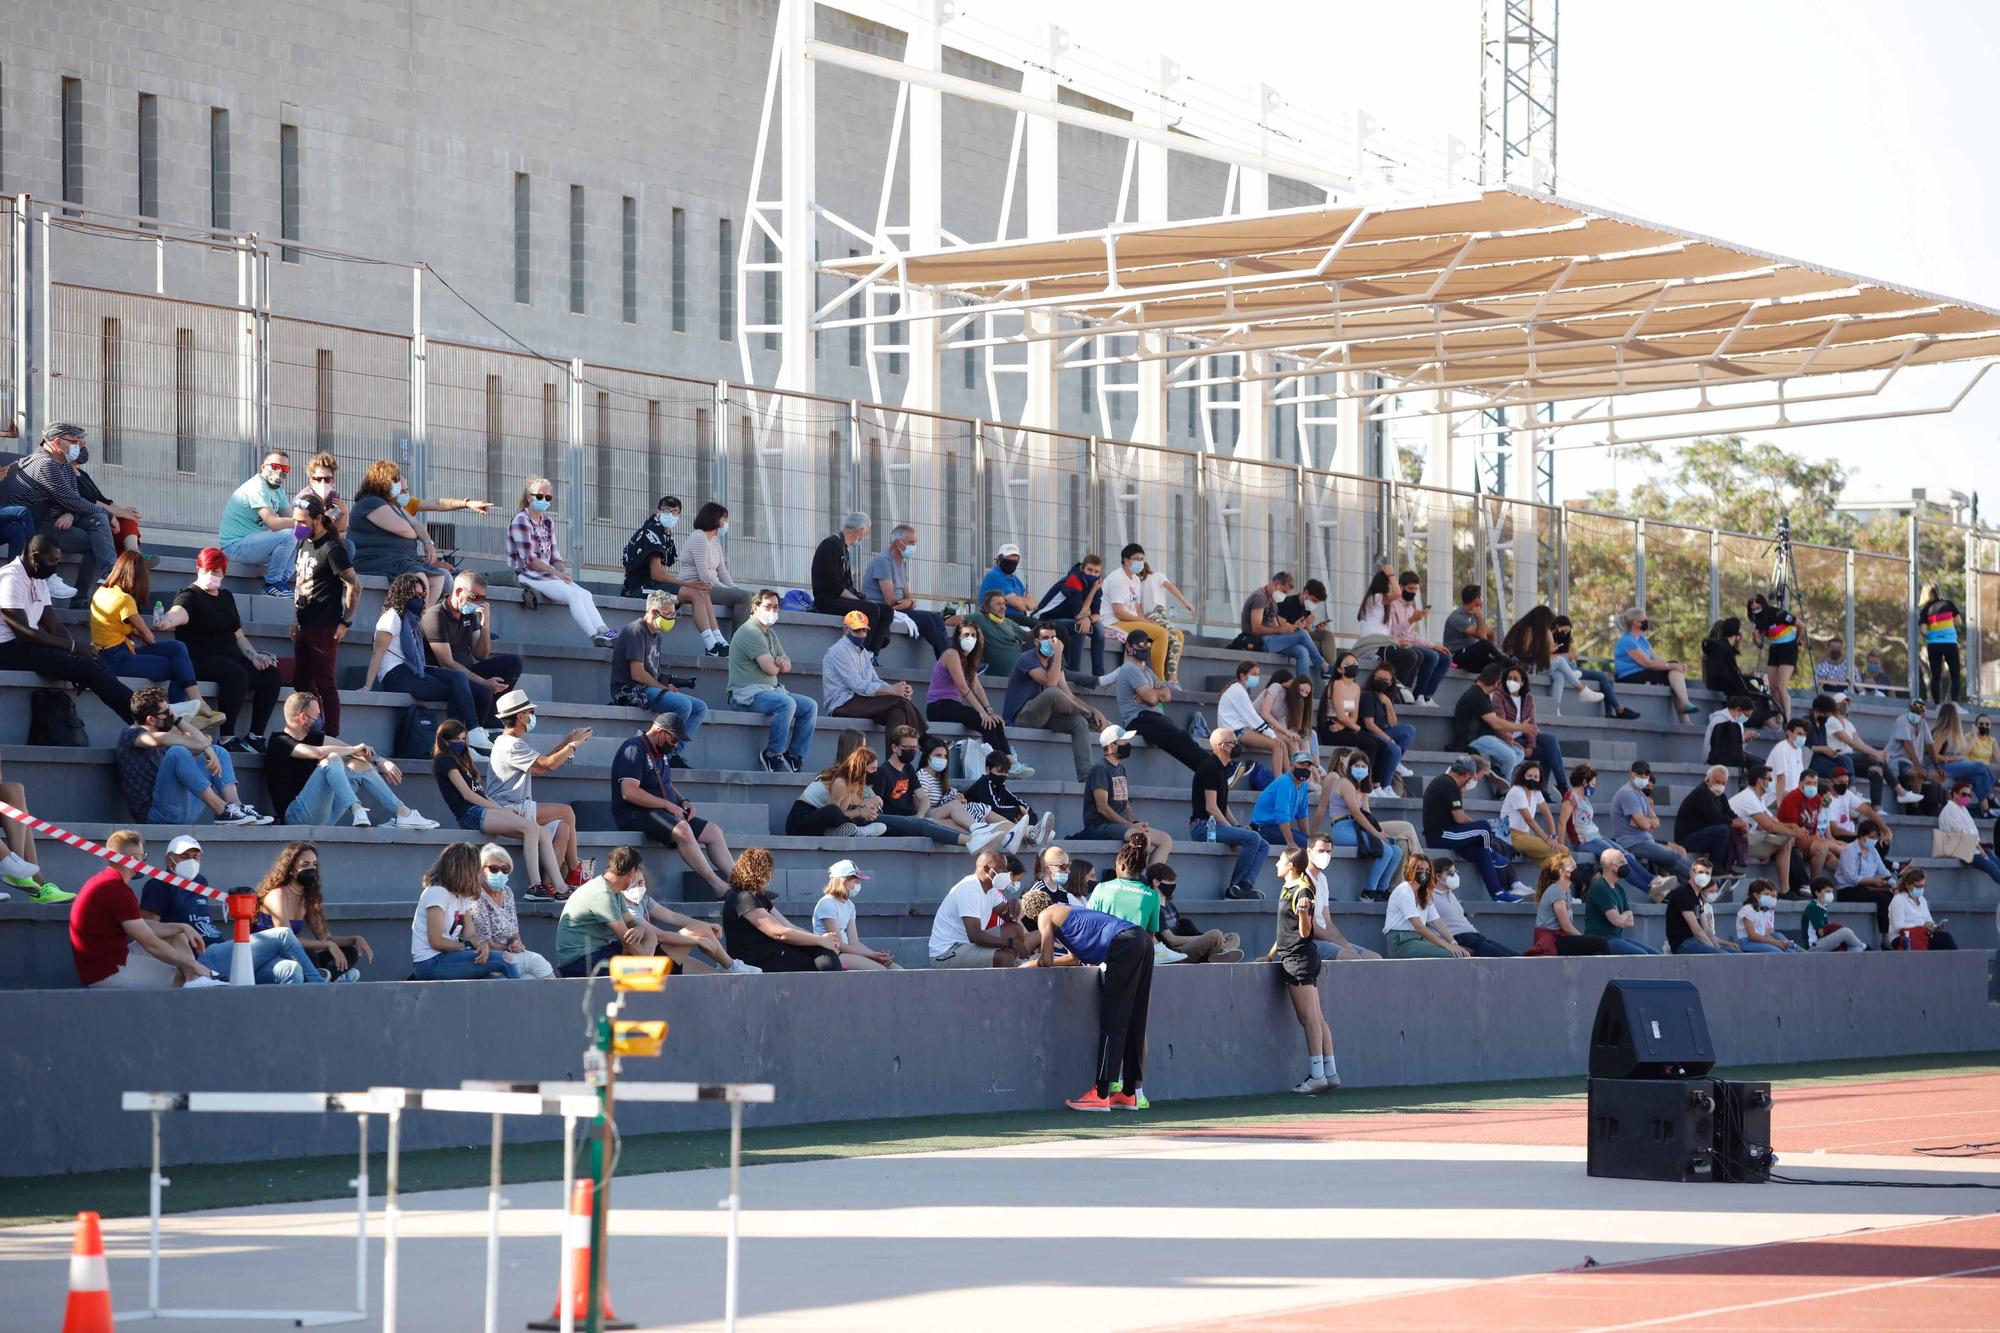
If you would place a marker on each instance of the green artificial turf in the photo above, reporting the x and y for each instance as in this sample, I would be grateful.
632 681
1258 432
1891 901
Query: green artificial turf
122 1193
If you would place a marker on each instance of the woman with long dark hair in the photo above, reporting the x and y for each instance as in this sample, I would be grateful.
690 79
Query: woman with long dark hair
291 894
956 695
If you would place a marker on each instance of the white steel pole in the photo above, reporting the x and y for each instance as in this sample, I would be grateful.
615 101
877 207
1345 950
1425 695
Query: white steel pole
19 234
360 1184
153 1186
389 1216
797 187
493 1232
566 1276
925 49
43 413
1040 408
730 1268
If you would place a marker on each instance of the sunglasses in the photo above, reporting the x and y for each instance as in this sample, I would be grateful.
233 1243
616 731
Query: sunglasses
498 870
327 480
278 467
541 495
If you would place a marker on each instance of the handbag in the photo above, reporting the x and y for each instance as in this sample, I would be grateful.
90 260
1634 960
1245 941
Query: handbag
53 720
1960 847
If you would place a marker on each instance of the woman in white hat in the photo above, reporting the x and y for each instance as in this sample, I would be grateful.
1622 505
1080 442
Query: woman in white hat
833 916
512 766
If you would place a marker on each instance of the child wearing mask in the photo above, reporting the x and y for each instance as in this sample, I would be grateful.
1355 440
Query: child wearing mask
1821 935
833 919
1757 921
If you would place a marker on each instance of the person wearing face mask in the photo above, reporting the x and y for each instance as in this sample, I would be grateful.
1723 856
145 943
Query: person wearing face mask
257 525
496 920
1778 633
276 957
833 590
1835 672
537 561
1817 928
1073 607
1039 695
937 801
1914 760
1237 710
326 594
1981 748
34 638
1862 876
513 766
644 800
1757 921
445 943
612 915
125 642
386 539
1911 925
833 918
1705 825
1633 662
1525 817
1055 874
1607 911
756 660
1142 698
1448 826
1690 914
1467 636
1299 967
1557 910
1577 822
1860 759
991 793
1787 759
1513 717
1451 917
1345 800
115 947
969 930
907 798
1802 809
651 557
1766 836
1135 602
458 639
1952 747
1411 925
1282 813
1957 836
46 481
1338 724
1268 629
171 773
957 695
464 792
315 777
1328 941
292 894
1379 721
889 574
705 581
206 621
850 686
397 663
1210 820
1130 896
1842 809
323 480
1180 934
1003 579
1405 627
1721 672
1107 797
638 681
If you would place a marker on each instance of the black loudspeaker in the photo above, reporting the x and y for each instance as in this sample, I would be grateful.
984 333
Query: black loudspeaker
1650 1029
1743 1132
1652 1129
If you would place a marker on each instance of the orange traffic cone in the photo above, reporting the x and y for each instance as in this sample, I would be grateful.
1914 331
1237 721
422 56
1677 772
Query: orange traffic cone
89 1309
576 1245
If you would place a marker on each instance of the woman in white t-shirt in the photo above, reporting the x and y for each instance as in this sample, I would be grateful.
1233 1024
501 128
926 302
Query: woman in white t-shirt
1237 710
1410 928
397 660
445 943
1525 815
833 917
1911 925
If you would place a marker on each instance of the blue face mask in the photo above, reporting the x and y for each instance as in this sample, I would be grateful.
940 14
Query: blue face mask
1252 681
74 451
1059 877
722 529
456 747
1136 567
1045 648
668 520
540 504
858 639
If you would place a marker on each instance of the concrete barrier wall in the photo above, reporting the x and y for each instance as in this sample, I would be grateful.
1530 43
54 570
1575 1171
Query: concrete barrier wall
885 1045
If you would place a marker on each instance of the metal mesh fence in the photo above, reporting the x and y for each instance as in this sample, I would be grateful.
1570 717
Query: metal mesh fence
1602 557
1881 612
339 391
784 464
1343 527
643 437
1036 494
493 420
1677 589
1251 533
1152 497
915 468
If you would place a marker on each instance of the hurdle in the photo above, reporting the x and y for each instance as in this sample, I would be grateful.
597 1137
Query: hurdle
358 1104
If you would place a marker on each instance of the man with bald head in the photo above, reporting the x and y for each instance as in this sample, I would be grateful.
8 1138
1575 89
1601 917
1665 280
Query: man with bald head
1210 822
1706 826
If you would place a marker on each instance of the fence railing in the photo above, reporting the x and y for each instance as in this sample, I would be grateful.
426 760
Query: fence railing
181 395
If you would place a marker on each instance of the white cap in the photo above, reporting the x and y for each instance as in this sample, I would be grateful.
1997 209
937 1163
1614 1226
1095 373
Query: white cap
845 870
184 843
1115 734
1011 549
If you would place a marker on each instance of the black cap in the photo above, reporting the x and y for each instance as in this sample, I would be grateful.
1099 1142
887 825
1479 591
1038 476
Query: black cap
1641 766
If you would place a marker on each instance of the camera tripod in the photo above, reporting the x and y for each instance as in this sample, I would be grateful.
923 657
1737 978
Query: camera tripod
1786 593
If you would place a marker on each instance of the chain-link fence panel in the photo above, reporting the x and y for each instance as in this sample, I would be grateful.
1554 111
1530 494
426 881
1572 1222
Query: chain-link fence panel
166 390
1881 613
1035 493
643 438
1821 605
1677 589
785 461
1343 538
338 391
1436 537
1519 557
493 420
1603 552
918 468
1251 533
1152 497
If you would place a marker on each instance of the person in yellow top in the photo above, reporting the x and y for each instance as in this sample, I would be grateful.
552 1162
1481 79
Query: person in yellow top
124 640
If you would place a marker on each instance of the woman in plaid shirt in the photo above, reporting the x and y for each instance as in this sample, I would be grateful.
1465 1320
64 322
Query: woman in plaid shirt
538 562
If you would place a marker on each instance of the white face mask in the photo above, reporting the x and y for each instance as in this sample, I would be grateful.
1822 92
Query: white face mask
189 869
1319 860
1826 900
937 765
1513 687
208 580
1766 901
1136 567
635 892
966 643
766 615
1712 894
1451 881
397 490
531 724
1701 878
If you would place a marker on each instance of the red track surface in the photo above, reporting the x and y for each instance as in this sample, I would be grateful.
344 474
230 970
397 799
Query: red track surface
1935 1276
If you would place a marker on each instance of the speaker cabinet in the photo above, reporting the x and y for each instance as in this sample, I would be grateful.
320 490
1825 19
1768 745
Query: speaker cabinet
1650 1029
1652 1129
1743 1132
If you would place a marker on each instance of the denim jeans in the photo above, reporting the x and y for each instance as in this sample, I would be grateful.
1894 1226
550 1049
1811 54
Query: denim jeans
1693 945
276 957
1401 737
1432 664
17 524
1756 946
166 660
276 551
909 826
1346 833
1562 672
691 711
182 778
1971 770
1656 856
793 718
1299 646
329 792
462 966
1628 946
1505 756
89 537
449 688
1073 643
1250 848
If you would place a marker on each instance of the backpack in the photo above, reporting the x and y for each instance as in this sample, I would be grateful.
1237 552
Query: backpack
52 719
416 733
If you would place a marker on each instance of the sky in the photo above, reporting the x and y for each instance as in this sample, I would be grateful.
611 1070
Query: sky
1853 135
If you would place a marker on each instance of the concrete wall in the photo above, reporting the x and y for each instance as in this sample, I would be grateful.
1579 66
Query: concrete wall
883 1045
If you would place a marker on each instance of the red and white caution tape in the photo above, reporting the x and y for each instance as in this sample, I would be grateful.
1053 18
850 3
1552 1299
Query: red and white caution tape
104 853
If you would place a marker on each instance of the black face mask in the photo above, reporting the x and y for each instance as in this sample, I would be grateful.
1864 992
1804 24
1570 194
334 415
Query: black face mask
1301 774
42 571
1421 878
309 877
1645 625
1381 686
1349 672
1009 566
907 754
1409 594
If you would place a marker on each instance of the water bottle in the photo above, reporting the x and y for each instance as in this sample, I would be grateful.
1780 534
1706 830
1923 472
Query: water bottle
159 612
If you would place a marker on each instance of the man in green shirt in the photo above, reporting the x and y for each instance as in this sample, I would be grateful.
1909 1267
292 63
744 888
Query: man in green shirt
1131 897
756 660
612 915
1004 637
1606 912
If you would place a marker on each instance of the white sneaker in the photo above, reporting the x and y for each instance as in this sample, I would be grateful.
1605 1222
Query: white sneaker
361 819
1904 796
1403 693
479 739
1020 770
1382 794
4 895
1404 771
193 982
15 866
738 965
60 590
1017 833
1162 954
184 709
1590 696
1522 889
985 836
413 819
871 830
1045 827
